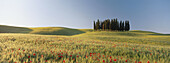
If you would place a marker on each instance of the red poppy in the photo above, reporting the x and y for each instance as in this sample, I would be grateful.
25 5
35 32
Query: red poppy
110 57
45 60
34 54
28 56
71 55
23 50
125 60
111 60
115 60
42 56
77 56
30 61
63 60
103 60
148 62
19 49
139 62
90 55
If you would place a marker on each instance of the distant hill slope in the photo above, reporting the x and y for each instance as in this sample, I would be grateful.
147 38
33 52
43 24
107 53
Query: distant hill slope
42 30
12 29
55 31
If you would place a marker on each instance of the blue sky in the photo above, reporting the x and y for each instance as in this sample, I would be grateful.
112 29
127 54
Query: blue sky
149 15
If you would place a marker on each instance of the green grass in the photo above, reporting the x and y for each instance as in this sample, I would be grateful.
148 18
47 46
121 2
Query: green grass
35 48
65 45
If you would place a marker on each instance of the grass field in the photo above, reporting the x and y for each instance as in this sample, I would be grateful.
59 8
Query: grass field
64 45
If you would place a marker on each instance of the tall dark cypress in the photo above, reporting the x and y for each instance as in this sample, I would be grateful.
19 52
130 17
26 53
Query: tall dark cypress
127 26
94 25
120 29
123 26
98 25
117 25
112 24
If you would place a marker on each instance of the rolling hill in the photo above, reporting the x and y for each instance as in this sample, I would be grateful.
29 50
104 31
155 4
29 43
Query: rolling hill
43 30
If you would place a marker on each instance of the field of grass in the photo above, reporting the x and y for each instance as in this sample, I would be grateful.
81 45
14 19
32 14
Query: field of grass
38 46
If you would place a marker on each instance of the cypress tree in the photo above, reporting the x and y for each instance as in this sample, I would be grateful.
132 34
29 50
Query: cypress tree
117 25
127 26
98 25
94 26
112 24
123 26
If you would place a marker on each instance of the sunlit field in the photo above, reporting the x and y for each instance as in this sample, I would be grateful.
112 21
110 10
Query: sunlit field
89 47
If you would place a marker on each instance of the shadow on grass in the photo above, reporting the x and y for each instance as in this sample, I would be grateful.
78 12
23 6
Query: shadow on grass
11 29
63 31
160 34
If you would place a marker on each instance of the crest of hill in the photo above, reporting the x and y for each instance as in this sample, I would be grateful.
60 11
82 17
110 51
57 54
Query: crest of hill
43 30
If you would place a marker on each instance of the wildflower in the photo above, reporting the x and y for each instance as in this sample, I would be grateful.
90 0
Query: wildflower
42 56
139 62
115 60
148 62
71 55
111 60
103 60
63 60
34 54
125 60
28 56
19 49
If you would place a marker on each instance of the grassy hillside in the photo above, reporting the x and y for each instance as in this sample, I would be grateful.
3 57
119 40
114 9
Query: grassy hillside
55 31
43 30
136 36
12 29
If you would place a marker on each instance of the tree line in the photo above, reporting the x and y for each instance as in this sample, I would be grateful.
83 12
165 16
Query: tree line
111 25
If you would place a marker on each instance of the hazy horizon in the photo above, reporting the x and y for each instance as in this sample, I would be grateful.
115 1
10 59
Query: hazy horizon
143 15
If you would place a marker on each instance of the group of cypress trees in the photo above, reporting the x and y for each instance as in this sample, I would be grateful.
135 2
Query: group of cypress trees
112 25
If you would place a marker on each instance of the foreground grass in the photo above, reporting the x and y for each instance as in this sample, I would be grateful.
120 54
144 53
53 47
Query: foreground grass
22 48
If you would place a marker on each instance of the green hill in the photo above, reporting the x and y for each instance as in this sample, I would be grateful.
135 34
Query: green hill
135 36
55 31
42 30
12 29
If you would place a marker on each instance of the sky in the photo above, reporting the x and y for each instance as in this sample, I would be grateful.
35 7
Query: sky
148 15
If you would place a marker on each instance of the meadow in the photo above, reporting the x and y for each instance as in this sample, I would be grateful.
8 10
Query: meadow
83 46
